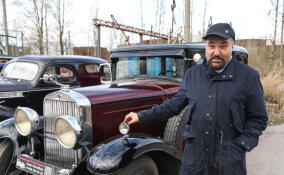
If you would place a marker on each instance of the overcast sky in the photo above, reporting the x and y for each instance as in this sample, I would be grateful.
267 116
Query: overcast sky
249 18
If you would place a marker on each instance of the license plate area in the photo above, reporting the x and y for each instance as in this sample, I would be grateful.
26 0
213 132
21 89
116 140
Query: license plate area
33 166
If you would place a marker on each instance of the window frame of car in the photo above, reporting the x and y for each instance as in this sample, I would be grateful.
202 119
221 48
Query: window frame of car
57 68
163 66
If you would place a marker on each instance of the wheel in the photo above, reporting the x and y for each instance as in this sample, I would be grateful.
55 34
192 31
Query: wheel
142 166
6 153
175 125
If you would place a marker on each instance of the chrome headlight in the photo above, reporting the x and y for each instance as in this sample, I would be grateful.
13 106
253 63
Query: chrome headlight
68 131
26 120
124 128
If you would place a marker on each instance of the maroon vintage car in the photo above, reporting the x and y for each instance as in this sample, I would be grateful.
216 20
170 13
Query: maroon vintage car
79 130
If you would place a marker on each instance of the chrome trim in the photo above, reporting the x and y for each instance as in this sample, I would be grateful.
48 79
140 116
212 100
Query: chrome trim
109 65
33 119
11 94
56 104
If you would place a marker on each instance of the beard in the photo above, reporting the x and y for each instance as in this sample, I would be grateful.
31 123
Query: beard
219 65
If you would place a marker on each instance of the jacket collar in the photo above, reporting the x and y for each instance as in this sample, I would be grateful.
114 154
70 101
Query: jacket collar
226 74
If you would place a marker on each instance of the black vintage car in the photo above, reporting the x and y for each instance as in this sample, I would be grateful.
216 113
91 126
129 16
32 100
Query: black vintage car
1 66
78 132
24 81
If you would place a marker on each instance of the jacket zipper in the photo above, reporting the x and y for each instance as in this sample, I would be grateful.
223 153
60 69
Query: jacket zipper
221 142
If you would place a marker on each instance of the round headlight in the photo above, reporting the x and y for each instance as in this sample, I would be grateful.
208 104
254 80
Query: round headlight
124 128
68 131
26 120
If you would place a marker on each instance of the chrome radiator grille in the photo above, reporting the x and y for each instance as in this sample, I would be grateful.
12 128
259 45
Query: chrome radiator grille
55 153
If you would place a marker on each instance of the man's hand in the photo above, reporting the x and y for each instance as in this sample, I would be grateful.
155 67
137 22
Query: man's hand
131 118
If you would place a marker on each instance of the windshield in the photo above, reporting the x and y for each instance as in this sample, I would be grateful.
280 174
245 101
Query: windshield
21 70
149 66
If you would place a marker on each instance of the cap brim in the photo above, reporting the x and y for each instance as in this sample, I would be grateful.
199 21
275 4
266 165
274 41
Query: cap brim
222 35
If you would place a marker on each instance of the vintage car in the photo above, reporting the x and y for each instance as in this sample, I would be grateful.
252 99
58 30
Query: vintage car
1 66
25 81
79 130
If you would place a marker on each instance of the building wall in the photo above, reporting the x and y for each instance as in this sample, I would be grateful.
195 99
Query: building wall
91 51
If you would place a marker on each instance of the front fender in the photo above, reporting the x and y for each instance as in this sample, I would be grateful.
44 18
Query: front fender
9 131
115 154
6 112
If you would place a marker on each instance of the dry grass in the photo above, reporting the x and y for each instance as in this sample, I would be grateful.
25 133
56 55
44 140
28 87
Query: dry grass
274 94
271 85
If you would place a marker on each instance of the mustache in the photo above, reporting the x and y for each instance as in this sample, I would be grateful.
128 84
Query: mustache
216 57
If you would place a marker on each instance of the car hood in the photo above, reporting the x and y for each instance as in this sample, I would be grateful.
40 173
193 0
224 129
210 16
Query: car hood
8 85
123 90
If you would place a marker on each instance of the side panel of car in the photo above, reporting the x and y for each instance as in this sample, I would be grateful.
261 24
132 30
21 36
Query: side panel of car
6 112
19 144
107 118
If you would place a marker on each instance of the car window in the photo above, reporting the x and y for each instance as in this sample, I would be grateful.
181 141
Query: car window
149 66
91 68
62 73
21 70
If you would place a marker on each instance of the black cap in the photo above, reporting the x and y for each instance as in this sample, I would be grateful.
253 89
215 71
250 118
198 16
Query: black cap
224 30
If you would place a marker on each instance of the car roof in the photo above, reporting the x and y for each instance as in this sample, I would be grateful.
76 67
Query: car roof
197 45
60 59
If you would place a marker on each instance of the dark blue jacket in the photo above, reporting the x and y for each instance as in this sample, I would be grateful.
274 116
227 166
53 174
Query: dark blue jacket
226 117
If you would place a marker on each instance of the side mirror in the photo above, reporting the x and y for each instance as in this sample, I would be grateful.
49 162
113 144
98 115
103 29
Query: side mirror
105 73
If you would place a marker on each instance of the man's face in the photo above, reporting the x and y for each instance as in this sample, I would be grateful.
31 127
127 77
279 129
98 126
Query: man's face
218 51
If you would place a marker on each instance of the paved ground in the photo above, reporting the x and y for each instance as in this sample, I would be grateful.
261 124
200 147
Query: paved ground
268 157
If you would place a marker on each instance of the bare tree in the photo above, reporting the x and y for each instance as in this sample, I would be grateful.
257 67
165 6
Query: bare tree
60 18
46 28
38 7
34 20
275 5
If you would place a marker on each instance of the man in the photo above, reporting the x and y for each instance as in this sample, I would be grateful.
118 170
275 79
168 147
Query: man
226 109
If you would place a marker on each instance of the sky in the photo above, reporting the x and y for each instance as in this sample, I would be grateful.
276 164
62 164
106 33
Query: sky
249 18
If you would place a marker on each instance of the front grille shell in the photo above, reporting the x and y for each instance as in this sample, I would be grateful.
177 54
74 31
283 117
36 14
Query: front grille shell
64 102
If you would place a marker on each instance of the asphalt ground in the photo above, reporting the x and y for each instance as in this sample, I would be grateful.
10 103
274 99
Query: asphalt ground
268 157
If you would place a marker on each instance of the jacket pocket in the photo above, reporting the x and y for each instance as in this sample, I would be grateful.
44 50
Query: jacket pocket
188 131
238 116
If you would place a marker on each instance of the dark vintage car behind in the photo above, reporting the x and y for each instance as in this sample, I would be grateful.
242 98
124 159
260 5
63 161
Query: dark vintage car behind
24 81
1 66
78 133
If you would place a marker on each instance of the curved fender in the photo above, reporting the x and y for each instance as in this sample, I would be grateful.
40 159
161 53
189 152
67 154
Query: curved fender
8 130
6 112
118 152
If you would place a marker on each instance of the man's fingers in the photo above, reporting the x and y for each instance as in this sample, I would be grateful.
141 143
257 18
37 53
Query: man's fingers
131 118
131 122
127 118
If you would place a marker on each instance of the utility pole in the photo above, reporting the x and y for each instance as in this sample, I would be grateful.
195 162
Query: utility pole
204 15
187 21
5 25
281 48
173 6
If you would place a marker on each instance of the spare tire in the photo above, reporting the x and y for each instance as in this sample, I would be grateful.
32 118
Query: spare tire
174 127
6 154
